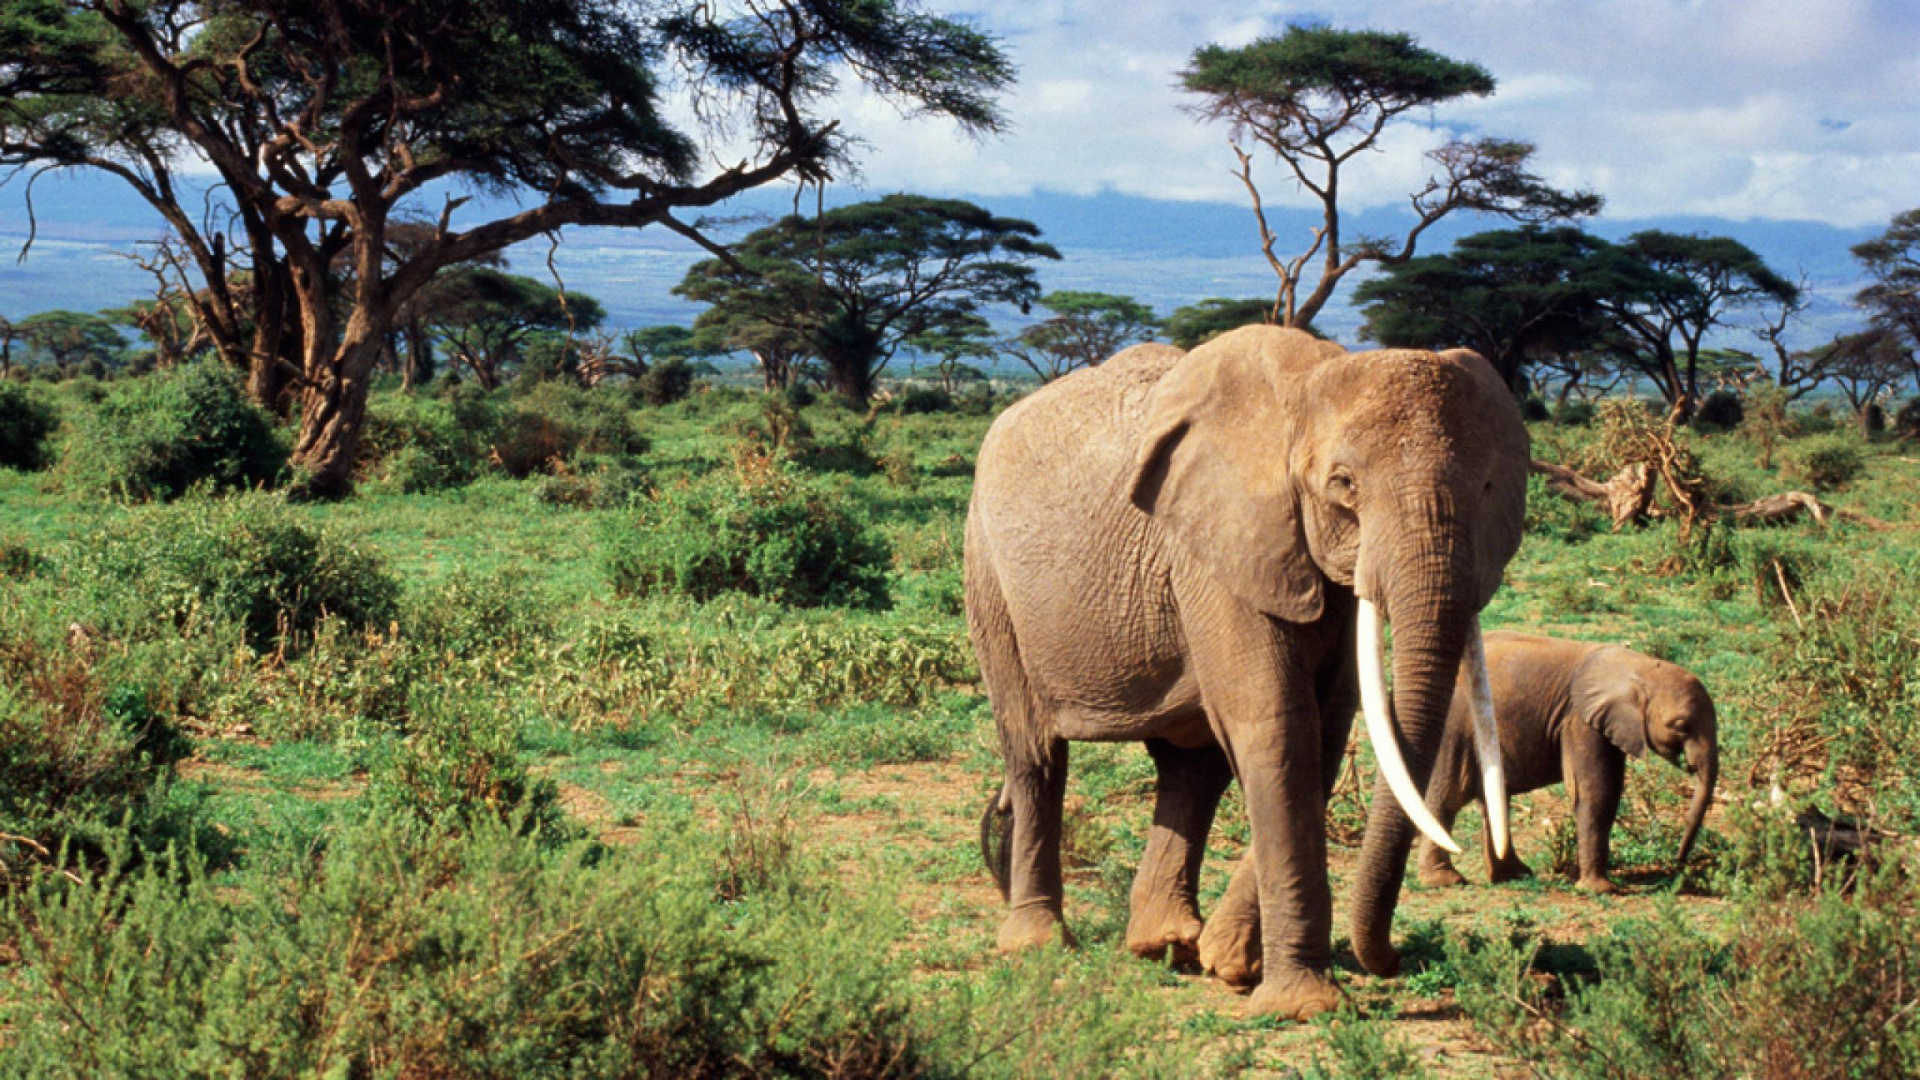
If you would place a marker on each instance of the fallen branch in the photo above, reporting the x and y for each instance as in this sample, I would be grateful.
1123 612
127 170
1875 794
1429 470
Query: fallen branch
1628 498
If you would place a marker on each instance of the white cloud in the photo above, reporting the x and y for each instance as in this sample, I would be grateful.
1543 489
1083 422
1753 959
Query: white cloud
1770 108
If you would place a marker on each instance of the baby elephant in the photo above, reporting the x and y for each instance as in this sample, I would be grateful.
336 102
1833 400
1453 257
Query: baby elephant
1566 710
1573 711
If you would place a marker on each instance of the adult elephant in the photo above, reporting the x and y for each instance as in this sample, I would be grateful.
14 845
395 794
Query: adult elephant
1194 550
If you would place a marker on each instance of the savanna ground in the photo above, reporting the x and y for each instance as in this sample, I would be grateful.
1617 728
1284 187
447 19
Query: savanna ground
477 774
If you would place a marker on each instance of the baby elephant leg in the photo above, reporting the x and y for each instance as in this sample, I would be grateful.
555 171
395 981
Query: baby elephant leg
1596 803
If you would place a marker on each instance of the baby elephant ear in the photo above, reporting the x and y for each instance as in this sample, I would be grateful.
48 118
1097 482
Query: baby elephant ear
1211 470
1608 697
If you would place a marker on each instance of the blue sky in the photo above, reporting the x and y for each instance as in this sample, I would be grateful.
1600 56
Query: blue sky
1790 125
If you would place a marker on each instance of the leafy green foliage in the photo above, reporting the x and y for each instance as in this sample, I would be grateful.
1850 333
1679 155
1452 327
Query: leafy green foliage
459 761
248 560
156 437
79 759
1196 324
26 426
774 535
1721 409
666 382
1828 462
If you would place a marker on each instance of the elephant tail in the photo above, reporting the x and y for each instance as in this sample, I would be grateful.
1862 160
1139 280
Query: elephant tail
996 840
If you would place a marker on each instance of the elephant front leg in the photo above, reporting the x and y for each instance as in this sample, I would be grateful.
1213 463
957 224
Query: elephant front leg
1596 802
1230 945
1165 902
1279 762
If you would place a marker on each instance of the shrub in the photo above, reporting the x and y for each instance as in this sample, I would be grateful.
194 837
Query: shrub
157 436
249 560
1906 422
469 613
924 399
1575 414
1668 998
1721 410
774 535
459 761
414 443
1533 410
405 950
666 382
1828 462
800 395
554 423
26 425
594 482
78 759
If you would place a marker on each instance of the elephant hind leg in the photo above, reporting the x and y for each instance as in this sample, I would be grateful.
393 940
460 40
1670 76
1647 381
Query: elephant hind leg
1165 905
1036 771
1446 794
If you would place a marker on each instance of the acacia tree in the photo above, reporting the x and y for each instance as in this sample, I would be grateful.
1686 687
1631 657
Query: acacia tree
1193 325
1510 295
1085 329
1893 297
1867 366
485 317
324 118
1686 286
957 341
70 338
1316 97
748 324
858 281
1797 372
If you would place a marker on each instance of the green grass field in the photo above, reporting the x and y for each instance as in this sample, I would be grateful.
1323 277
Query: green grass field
519 817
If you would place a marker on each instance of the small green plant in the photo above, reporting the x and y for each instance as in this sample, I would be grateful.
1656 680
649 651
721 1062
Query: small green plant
459 758
767 533
26 427
155 437
924 399
248 560
666 382
1574 413
1828 462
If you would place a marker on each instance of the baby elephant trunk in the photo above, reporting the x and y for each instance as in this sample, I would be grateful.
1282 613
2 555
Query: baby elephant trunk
1704 756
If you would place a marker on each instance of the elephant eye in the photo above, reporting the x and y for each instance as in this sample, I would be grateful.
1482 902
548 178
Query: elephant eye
1340 486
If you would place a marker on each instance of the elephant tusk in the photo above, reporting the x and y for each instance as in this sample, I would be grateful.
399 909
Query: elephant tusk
1386 748
1486 744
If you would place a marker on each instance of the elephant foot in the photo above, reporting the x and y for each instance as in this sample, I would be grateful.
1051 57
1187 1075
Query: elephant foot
1032 927
1154 929
1230 948
1598 884
1509 871
1441 876
1295 994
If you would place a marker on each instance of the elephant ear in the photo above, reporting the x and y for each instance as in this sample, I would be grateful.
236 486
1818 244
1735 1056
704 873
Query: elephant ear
1608 697
1212 469
1503 512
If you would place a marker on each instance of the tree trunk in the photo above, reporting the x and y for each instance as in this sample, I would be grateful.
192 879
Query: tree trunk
850 375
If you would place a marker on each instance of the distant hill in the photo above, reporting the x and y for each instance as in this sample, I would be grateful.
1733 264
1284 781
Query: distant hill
1164 252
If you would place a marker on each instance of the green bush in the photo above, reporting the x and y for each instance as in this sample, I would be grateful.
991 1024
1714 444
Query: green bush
1668 997
248 560
666 382
469 613
459 761
800 395
924 399
156 436
1574 414
554 422
79 759
774 534
26 425
1533 410
1828 462
1721 410
414 443
594 481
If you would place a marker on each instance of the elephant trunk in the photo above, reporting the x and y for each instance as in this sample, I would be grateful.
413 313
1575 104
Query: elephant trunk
1430 601
1704 756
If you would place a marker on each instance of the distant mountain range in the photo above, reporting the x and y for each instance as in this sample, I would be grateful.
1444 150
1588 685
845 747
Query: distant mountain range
1163 252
